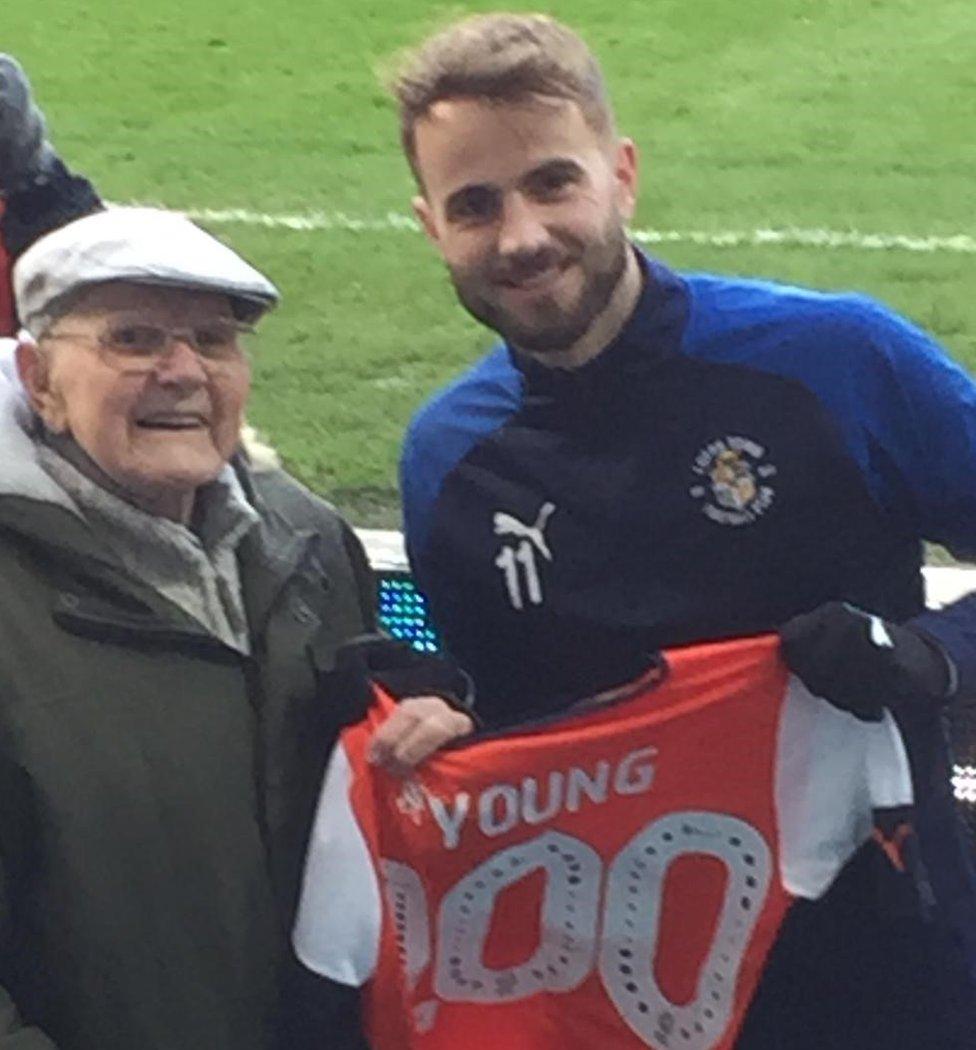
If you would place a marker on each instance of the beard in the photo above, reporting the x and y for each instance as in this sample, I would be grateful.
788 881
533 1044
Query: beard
546 326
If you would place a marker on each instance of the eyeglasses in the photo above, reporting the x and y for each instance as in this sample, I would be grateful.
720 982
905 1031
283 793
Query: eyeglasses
135 347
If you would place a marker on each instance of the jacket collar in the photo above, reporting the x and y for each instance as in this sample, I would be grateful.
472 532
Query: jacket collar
97 594
652 334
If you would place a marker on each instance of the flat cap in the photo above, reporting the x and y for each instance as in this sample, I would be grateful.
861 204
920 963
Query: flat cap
140 245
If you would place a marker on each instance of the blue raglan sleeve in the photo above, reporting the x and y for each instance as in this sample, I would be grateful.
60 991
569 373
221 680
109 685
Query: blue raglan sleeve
920 417
438 438
425 461
418 490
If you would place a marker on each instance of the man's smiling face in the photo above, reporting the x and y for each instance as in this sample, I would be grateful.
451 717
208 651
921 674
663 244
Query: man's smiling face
526 203
158 434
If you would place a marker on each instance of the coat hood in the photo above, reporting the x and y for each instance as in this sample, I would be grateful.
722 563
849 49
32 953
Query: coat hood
21 473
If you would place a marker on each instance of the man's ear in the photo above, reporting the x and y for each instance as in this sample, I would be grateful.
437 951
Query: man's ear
425 216
34 371
625 171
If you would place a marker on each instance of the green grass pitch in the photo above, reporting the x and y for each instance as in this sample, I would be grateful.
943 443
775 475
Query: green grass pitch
840 115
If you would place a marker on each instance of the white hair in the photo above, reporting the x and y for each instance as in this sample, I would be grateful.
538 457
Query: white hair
261 456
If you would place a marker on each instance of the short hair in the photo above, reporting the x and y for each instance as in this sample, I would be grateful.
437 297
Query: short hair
500 58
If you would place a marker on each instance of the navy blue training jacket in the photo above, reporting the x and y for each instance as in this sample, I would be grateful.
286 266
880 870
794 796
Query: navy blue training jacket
742 452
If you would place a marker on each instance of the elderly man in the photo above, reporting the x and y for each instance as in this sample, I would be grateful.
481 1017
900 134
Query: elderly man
169 619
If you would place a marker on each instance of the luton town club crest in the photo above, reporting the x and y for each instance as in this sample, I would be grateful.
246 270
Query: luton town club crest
733 484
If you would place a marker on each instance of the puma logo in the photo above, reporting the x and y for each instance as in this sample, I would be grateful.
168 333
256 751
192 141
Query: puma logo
509 525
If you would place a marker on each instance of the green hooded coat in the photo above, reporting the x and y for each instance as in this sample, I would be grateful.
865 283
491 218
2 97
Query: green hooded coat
155 785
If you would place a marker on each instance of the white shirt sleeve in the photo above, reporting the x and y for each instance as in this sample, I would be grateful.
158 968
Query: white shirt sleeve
832 771
337 929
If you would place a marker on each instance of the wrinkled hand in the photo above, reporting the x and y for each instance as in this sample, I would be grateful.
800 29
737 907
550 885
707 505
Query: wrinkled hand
863 664
416 729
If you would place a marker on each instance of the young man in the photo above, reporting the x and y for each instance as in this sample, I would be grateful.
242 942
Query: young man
649 459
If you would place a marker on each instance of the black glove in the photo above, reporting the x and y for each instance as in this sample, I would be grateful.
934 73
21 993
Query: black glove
401 670
863 664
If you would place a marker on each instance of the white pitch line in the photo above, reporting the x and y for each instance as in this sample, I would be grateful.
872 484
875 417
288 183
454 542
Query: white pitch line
791 237
391 222
787 237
